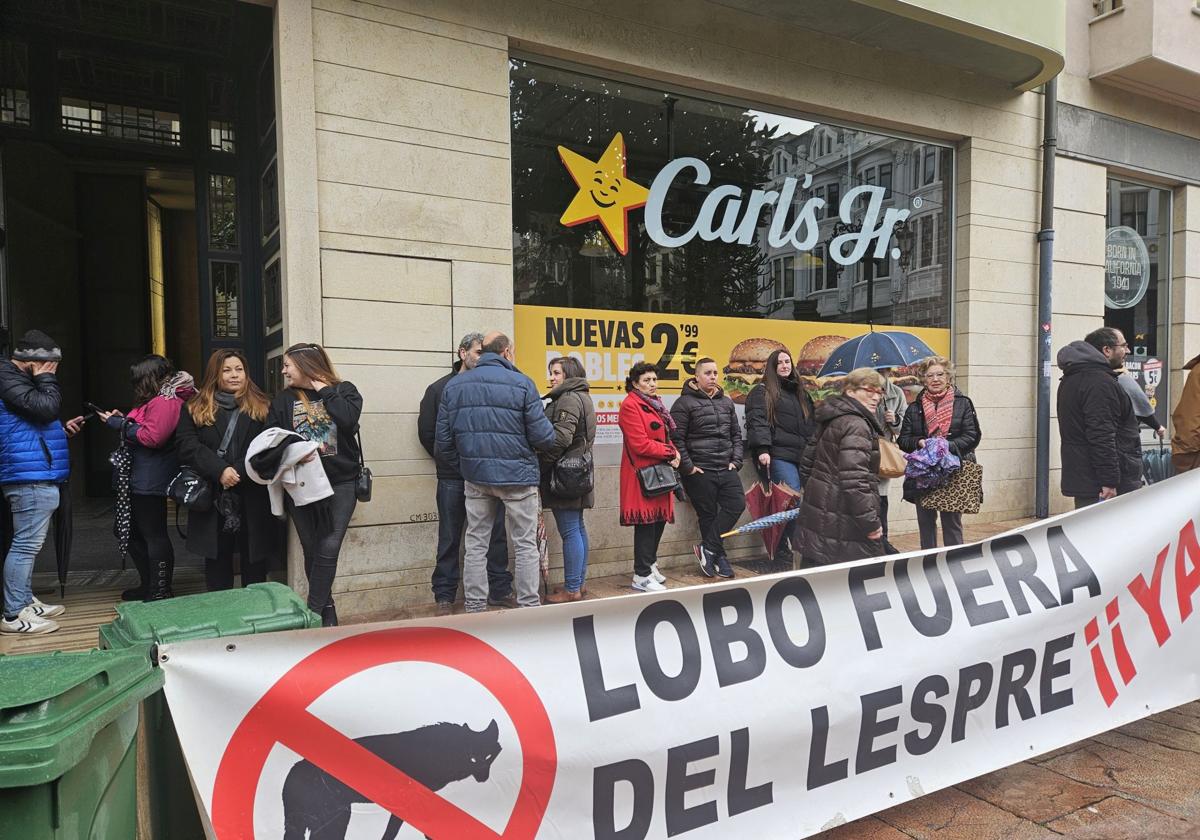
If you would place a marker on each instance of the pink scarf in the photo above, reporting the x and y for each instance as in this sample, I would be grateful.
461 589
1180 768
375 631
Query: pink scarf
657 405
938 412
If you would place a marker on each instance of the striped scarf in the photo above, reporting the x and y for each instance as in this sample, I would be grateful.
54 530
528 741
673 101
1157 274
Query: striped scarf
939 412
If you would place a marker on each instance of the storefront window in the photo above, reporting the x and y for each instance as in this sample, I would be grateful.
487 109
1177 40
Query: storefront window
1136 282
630 202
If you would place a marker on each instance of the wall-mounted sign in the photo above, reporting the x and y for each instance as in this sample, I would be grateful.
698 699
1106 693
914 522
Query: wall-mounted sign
1126 268
727 214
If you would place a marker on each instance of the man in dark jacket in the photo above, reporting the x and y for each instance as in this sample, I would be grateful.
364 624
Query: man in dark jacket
452 501
33 463
1101 449
709 441
490 422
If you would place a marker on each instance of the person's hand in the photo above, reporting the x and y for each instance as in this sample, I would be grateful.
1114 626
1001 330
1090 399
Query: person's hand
229 477
1161 431
74 425
733 466
889 416
921 443
765 459
308 458
318 384
674 462
697 471
104 415
1107 493
38 368
877 534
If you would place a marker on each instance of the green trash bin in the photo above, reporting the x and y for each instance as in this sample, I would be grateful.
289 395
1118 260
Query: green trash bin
259 608
68 755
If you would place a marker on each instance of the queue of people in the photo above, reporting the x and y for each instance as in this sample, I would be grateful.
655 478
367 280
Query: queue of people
504 453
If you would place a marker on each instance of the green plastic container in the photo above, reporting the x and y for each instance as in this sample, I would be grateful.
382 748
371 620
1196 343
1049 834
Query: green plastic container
259 608
68 757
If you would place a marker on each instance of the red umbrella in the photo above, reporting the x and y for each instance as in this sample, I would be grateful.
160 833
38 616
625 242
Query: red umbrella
765 500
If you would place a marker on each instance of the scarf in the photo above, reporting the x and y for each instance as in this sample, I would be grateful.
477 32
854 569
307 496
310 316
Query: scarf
657 405
938 412
225 400
180 386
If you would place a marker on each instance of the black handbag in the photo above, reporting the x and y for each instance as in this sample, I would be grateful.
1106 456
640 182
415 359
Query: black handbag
572 476
362 485
656 479
191 490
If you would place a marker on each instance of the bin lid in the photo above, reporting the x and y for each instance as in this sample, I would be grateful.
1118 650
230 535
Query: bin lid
259 608
52 705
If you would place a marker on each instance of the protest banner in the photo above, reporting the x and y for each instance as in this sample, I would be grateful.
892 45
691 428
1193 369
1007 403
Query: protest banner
775 706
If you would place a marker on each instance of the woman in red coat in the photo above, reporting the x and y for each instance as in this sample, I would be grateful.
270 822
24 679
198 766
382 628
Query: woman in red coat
646 426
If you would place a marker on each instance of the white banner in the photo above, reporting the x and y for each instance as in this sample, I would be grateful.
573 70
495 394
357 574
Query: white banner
772 707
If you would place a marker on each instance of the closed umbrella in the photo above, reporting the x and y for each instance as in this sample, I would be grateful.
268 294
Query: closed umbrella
64 535
764 500
775 520
882 349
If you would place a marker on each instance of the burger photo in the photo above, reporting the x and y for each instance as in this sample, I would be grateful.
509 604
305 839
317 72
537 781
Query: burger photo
747 361
811 359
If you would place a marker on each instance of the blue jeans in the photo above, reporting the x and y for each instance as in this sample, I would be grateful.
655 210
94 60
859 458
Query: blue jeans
575 546
786 472
32 506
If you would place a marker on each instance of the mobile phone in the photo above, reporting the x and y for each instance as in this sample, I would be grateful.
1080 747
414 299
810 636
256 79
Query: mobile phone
92 408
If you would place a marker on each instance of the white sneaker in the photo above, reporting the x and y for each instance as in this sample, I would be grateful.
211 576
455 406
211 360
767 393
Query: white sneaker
46 610
28 624
647 584
656 574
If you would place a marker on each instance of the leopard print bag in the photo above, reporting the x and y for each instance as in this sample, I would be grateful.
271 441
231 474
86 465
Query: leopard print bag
963 493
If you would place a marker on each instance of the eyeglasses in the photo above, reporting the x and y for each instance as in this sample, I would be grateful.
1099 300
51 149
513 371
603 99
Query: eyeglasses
941 375
1124 344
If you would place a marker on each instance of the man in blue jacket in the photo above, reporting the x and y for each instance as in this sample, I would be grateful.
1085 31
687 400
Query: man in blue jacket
33 463
489 424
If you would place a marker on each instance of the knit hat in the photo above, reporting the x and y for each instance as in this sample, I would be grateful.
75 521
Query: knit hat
36 346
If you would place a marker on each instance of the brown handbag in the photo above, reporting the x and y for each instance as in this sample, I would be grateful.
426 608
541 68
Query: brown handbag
891 460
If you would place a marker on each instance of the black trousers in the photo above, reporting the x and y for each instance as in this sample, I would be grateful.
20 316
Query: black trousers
150 545
321 538
952 533
452 518
719 500
645 546
218 571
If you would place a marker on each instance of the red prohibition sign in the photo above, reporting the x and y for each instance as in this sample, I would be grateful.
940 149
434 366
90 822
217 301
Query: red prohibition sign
281 716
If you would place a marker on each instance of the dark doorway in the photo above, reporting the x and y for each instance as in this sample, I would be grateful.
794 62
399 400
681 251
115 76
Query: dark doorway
134 140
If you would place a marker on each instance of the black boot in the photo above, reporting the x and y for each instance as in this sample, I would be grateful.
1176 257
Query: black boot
329 616
160 587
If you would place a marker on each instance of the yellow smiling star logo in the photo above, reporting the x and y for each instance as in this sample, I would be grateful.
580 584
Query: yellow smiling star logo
605 194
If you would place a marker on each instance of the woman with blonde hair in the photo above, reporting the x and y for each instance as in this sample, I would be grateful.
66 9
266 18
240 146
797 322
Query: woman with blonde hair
227 412
839 515
320 406
940 410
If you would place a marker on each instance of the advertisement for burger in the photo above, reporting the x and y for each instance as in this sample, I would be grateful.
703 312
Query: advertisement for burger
608 343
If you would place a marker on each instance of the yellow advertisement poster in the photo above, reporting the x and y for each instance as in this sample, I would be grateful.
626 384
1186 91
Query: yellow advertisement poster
609 342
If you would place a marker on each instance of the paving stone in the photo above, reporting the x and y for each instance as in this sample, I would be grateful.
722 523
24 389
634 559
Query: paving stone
1116 818
1152 774
1179 720
1033 792
1157 732
868 828
953 815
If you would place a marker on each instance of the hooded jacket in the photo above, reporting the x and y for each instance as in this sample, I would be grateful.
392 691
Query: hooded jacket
1101 446
33 443
489 423
707 433
274 459
786 439
840 470
1185 419
571 412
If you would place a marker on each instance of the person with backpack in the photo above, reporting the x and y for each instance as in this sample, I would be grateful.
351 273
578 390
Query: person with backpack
567 469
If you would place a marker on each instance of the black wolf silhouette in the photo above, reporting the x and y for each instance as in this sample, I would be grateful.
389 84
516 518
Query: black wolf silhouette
433 755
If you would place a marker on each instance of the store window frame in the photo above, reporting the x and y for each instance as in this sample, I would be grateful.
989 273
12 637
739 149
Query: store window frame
830 125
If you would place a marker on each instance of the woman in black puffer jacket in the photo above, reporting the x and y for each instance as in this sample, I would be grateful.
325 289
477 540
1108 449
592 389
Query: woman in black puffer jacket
779 423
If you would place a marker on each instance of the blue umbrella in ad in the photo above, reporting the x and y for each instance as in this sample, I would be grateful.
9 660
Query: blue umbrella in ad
883 349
